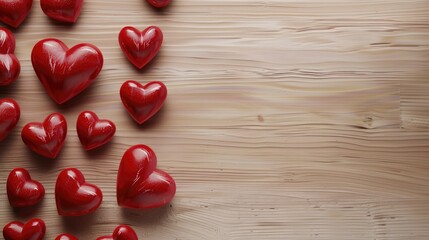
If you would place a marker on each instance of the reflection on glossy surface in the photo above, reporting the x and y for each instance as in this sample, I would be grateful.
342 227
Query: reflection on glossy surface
139 183
140 47
121 232
9 116
34 229
22 191
159 3
13 12
92 131
75 197
66 236
9 64
65 72
47 138
64 11
142 102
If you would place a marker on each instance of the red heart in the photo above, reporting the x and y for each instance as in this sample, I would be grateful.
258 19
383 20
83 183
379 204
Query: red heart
142 102
159 3
122 232
22 191
139 183
13 12
9 64
47 138
9 116
140 47
75 197
34 229
66 236
92 131
65 72
64 11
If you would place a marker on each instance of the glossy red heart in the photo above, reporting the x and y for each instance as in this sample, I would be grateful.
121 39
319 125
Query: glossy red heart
22 191
140 47
13 12
60 10
47 138
9 116
74 196
65 72
92 131
34 229
66 236
142 102
140 184
159 3
9 64
122 232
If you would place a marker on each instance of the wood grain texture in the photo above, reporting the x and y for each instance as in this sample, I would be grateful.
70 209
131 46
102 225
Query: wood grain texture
285 119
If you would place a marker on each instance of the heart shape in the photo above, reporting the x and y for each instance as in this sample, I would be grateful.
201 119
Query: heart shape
122 232
13 12
159 3
74 196
9 116
92 131
65 72
142 102
22 191
140 47
9 64
66 236
139 183
63 11
34 229
47 138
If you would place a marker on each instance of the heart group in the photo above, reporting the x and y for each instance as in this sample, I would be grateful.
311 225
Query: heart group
65 73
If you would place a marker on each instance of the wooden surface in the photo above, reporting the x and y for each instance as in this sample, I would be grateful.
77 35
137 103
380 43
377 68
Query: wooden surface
285 119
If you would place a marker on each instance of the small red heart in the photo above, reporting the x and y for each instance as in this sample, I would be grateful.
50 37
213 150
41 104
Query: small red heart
74 196
9 116
92 131
9 64
34 229
140 47
122 232
140 184
142 102
60 10
22 191
13 12
47 138
65 72
159 3
66 236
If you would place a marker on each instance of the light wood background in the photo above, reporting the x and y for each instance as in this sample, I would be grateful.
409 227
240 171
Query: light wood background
285 119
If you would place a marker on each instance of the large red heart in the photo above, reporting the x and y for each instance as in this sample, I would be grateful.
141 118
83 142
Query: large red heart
9 64
122 232
159 3
34 229
142 102
65 72
22 191
47 138
139 183
74 196
66 236
13 12
140 47
60 10
9 116
92 131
